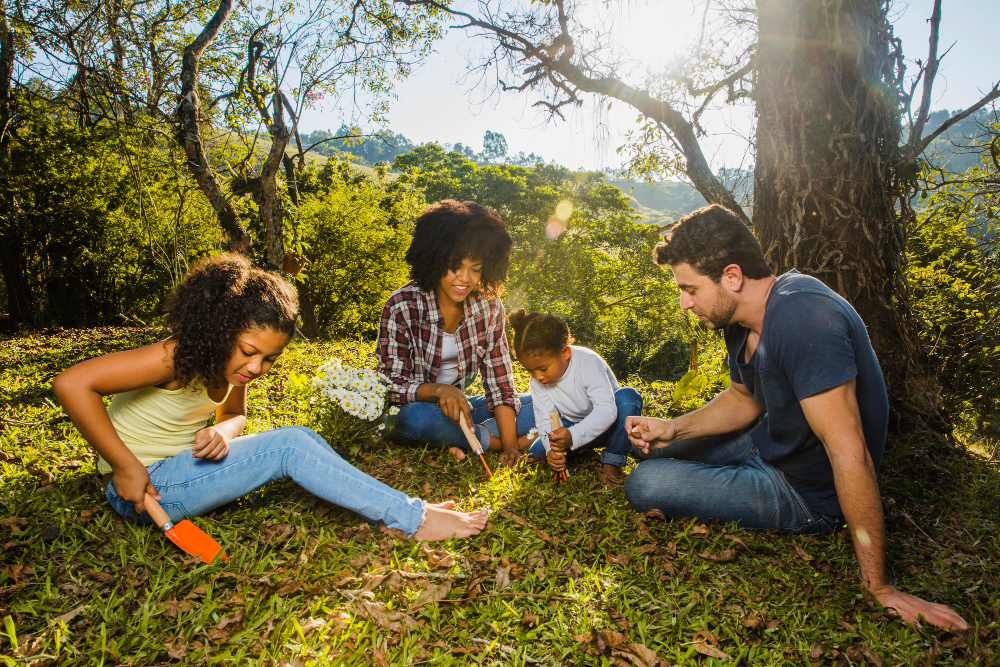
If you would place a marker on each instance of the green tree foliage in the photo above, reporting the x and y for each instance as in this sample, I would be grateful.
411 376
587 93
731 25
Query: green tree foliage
954 274
357 227
88 255
494 146
579 251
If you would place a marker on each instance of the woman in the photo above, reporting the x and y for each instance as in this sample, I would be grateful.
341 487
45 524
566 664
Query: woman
446 324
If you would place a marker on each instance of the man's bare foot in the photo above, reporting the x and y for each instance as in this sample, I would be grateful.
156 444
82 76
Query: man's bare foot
612 474
457 453
443 523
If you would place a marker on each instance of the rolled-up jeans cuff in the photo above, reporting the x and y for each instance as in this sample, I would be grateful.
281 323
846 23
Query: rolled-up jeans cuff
483 433
614 459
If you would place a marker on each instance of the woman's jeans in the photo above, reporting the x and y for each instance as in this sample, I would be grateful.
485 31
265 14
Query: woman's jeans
614 441
191 486
423 422
721 478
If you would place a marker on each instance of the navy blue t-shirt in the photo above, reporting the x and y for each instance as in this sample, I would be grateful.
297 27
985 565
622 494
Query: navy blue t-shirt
812 340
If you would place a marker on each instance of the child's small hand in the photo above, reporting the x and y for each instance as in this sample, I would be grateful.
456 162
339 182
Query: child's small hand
210 443
556 459
561 438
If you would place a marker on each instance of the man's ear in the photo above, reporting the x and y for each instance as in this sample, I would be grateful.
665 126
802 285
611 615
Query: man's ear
733 275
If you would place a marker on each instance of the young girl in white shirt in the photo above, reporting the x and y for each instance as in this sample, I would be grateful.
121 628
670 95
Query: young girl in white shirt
578 383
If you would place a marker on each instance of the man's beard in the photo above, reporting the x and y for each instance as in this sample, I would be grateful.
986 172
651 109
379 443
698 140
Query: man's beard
722 313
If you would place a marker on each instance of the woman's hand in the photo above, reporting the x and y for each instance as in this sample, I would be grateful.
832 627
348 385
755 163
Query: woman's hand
133 483
210 443
646 432
453 403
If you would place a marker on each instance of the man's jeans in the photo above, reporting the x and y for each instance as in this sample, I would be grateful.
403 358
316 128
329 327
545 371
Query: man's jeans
191 486
614 441
721 478
423 422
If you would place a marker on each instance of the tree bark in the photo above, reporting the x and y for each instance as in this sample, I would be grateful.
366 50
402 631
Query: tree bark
826 182
20 303
272 208
188 133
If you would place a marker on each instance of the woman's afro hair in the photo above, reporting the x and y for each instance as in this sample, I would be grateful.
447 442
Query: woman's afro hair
220 298
450 231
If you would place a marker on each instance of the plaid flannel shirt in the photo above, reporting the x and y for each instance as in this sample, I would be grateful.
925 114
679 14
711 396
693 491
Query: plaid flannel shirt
409 346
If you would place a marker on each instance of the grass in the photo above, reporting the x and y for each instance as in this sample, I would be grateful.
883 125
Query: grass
565 575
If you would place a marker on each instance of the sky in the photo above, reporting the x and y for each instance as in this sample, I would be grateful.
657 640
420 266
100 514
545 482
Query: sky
440 103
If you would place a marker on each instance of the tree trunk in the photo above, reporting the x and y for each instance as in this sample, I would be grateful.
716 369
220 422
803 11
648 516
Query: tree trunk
19 297
189 133
828 132
272 208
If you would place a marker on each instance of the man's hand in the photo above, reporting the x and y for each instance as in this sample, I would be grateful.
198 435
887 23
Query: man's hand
210 443
646 432
453 402
912 609
133 484
561 439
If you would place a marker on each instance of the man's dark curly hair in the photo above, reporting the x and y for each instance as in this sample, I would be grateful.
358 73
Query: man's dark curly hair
710 239
537 333
220 298
450 231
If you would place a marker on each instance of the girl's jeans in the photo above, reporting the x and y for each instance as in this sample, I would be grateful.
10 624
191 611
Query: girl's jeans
191 486
721 478
613 443
423 422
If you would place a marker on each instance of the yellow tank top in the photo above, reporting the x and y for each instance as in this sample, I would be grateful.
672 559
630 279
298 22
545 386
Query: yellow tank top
156 424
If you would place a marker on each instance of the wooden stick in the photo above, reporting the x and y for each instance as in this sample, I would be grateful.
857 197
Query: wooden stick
473 441
555 422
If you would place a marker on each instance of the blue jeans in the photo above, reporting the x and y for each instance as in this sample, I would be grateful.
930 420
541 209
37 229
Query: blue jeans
191 486
614 441
722 478
423 422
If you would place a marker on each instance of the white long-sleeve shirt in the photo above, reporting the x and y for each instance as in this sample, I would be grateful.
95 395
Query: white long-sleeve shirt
584 395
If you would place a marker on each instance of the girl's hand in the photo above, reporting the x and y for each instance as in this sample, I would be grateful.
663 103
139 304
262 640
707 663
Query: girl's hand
646 432
133 484
210 443
561 439
556 459
453 402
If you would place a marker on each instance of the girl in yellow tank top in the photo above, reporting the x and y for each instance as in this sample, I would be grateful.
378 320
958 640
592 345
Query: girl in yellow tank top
229 323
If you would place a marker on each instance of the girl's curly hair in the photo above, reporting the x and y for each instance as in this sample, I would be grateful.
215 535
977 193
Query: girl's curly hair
537 333
220 298
448 232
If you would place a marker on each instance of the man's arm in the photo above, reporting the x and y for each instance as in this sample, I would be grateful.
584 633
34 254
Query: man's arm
835 418
731 410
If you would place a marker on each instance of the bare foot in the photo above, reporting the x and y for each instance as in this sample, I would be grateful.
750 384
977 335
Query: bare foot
612 474
443 523
457 453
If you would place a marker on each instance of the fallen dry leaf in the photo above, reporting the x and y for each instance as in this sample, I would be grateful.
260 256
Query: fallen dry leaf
177 648
643 656
656 514
701 529
438 559
816 651
723 556
378 613
615 639
707 649
803 554
433 593
708 636
68 616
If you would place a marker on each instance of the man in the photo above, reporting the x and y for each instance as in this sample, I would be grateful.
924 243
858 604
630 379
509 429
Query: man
795 441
